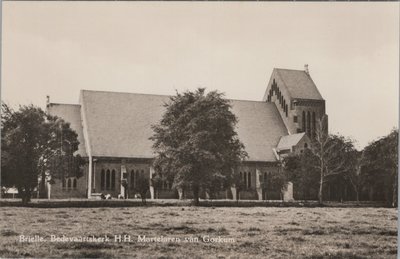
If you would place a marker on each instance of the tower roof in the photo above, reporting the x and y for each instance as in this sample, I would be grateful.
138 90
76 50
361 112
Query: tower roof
298 83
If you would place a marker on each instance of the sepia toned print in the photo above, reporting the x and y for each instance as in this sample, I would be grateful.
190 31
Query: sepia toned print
199 130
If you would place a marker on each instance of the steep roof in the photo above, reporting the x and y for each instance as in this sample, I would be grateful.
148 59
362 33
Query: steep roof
298 83
287 142
70 113
118 124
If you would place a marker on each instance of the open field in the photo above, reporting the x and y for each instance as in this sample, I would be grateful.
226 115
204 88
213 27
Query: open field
257 232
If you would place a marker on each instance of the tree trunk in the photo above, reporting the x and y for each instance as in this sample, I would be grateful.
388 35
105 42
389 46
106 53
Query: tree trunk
321 182
356 191
196 195
42 188
357 197
394 193
25 195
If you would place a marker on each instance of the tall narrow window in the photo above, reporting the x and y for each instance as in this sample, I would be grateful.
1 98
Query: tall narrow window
137 177
249 180
74 183
102 179
113 179
240 175
308 123
245 178
313 124
69 183
286 110
304 121
265 178
64 183
132 179
108 176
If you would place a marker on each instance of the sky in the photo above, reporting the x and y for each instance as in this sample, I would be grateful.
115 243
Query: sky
352 49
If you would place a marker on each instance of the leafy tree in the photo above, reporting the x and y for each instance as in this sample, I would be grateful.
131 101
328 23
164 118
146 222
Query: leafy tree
302 172
278 181
381 164
215 185
196 140
31 141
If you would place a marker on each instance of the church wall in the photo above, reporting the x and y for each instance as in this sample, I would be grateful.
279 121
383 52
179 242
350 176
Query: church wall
308 107
60 192
259 189
142 168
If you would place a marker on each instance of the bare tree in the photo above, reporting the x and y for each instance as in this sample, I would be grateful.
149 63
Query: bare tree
332 154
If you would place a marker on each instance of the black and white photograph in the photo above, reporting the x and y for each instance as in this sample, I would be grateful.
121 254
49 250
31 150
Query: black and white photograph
133 129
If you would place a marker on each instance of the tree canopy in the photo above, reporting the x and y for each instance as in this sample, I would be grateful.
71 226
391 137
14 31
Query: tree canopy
380 165
35 146
196 142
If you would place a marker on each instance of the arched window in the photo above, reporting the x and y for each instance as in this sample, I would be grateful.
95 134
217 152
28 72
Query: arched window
286 110
113 179
102 179
133 185
240 175
313 125
137 176
69 183
74 183
265 177
249 180
304 121
63 183
108 176
308 123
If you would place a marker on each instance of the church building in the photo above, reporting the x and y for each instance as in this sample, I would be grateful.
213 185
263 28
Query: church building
114 128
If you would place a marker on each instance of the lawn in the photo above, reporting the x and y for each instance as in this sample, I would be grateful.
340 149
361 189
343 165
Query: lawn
254 232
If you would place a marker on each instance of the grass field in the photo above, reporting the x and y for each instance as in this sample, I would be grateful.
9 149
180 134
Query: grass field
247 232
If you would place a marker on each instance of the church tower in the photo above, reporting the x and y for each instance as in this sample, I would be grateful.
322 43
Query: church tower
297 99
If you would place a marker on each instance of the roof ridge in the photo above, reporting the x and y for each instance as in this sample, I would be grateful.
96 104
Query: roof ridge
116 92
161 95
299 70
75 104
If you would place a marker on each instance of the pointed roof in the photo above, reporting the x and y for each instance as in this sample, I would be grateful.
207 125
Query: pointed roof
287 142
119 124
298 83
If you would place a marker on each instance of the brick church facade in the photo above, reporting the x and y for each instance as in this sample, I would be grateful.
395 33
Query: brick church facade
114 129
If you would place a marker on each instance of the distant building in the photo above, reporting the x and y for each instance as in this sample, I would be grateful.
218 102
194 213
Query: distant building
114 129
